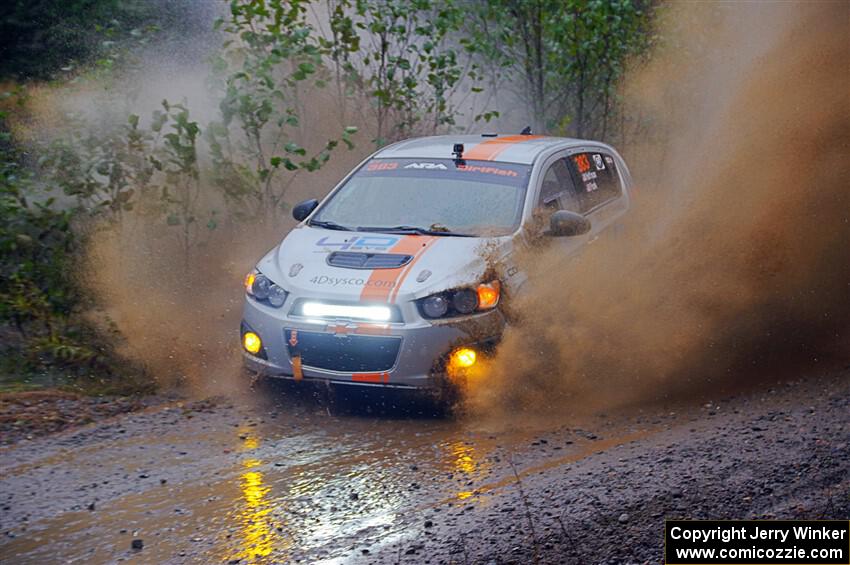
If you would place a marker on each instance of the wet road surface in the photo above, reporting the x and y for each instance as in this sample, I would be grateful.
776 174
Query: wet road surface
282 479
272 479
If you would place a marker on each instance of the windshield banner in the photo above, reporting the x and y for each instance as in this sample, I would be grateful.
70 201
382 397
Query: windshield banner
510 174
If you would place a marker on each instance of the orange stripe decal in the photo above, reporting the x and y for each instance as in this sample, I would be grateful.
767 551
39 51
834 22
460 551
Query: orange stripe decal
382 281
371 377
406 271
490 149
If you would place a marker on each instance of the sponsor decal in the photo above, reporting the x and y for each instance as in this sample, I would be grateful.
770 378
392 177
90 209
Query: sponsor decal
378 242
382 166
487 170
602 181
439 166
582 162
597 160
351 281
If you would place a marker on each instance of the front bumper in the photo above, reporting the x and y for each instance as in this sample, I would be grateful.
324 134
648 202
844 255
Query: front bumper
422 346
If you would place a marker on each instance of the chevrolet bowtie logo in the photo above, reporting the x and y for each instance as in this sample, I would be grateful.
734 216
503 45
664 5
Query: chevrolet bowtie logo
341 329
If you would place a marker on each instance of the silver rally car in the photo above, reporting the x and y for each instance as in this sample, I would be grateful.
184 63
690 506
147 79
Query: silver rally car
395 278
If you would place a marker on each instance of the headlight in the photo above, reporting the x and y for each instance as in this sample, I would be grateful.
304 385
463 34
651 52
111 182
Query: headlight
277 296
263 289
462 301
465 301
435 306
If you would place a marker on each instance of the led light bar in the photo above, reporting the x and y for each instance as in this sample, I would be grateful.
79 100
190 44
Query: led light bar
321 310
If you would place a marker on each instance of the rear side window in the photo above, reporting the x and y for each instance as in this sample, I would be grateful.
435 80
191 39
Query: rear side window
596 179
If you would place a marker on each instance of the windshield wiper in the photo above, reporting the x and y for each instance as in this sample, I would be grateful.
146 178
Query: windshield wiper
415 229
329 225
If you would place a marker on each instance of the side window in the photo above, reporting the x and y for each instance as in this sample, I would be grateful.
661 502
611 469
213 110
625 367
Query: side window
595 175
558 191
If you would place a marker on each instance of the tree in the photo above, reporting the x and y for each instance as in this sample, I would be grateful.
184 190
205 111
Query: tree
570 55
402 57
40 39
270 50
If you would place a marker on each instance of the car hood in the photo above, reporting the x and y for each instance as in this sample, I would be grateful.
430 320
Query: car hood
300 264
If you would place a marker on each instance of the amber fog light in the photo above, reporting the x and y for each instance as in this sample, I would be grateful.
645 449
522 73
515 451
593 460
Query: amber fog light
252 343
463 358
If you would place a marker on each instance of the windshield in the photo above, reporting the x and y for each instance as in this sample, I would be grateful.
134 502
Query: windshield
438 195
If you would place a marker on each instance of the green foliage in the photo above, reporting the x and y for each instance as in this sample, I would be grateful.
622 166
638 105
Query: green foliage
40 39
569 53
178 162
402 57
270 51
44 332
101 169
37 296
36 244
155 171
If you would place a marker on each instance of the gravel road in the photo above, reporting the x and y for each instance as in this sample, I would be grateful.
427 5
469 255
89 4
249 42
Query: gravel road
268 478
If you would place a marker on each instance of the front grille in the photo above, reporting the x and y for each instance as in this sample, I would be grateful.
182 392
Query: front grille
344 353
353 260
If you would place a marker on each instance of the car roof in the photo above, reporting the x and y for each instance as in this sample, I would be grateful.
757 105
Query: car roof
507 148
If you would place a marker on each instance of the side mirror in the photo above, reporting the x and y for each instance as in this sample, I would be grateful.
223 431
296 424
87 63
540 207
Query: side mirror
303 209
565 224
